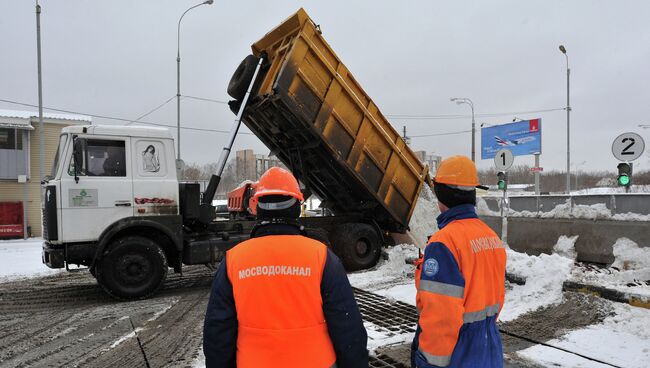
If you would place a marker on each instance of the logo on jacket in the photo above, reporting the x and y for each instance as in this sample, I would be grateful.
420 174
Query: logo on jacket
431 267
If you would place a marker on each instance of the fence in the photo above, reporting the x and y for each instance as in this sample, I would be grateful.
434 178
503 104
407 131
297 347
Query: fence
615 204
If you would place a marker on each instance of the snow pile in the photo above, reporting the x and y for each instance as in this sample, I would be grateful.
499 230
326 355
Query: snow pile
565 247
629 256
388 272
482 208
423 220
613 190
544 276
622 340
629 272
22 259
597 211
565 210
629 216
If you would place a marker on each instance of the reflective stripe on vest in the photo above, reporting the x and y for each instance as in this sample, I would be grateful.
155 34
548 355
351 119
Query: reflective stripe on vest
489 311
442 288
439 360
276 287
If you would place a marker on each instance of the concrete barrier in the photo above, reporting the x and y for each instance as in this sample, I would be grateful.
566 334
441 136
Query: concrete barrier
595 237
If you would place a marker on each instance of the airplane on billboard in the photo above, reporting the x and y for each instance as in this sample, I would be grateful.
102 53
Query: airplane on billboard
514 142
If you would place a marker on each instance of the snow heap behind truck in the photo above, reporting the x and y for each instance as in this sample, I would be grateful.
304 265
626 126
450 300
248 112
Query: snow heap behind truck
114 203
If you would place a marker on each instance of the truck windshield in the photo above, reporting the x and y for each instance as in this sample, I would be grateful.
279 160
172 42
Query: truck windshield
59 151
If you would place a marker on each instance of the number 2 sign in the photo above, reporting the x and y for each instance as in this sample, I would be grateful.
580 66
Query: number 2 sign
628 147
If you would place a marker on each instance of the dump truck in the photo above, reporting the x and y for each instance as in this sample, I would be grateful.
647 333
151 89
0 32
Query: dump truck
114 202
309 110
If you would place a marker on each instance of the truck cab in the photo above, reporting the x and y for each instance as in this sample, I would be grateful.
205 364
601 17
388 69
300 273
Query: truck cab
113 199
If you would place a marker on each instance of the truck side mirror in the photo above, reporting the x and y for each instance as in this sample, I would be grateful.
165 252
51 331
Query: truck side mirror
77 157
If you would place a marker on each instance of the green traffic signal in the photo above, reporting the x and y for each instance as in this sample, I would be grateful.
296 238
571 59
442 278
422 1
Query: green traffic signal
502 182
624 174
623 180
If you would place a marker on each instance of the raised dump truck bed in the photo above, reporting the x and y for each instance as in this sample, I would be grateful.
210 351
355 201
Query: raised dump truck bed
311 112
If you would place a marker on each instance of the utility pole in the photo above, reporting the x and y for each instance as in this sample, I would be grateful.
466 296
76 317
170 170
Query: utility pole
568 119
407 140
464 100
41 132
178 78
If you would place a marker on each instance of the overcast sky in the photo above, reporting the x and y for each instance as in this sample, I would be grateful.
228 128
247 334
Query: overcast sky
118 58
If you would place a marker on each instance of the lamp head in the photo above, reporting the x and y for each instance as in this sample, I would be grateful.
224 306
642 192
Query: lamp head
562 49
209 2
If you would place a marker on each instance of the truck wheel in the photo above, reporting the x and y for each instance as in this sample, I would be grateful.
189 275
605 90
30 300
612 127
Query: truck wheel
320 235
134 268
358 245
242 77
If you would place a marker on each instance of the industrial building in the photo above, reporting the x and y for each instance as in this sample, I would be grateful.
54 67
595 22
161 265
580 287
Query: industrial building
20 190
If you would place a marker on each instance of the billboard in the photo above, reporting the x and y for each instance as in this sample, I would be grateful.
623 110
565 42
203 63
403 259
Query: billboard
521 138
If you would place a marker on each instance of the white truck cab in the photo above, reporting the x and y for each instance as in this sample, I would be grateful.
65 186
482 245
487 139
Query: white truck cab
124 172
112 184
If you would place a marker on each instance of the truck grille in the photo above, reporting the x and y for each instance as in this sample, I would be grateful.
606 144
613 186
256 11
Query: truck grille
50 231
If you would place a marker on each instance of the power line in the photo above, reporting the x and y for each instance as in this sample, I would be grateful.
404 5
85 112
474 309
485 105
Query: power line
130 121
426 117
152 111
120 119
440 134
205 99
443 117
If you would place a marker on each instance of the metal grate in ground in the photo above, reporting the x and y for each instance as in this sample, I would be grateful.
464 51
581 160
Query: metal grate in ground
394 316
384 361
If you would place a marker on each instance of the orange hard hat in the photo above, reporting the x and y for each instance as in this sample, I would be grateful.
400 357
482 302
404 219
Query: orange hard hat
457 171
278 181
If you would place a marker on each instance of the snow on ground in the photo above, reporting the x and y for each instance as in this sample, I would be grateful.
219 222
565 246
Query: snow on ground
378 337
404 293
628 274
22 259
199 361
544 276
622 340
388 272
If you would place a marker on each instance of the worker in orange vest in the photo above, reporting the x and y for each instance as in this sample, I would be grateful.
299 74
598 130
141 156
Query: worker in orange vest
460 279
282 299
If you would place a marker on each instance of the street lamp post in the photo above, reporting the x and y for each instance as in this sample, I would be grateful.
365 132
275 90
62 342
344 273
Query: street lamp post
178 78
463 100
568 119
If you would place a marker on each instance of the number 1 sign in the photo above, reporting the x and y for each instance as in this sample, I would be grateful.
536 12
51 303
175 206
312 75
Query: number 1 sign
503 159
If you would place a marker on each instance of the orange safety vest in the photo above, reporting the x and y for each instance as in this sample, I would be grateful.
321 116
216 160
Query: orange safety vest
276 286
446 307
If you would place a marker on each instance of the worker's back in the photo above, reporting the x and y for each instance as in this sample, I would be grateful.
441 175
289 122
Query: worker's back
276 286
463 279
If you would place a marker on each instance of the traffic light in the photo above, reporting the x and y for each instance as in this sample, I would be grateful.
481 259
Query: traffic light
502 182
624 174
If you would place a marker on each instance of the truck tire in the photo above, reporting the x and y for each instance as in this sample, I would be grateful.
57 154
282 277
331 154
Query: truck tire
317 234
358 245
134 268
242 77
